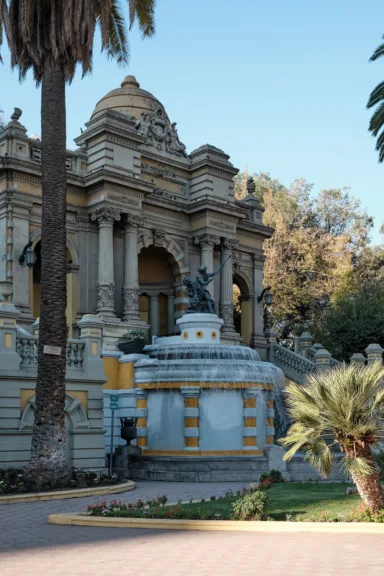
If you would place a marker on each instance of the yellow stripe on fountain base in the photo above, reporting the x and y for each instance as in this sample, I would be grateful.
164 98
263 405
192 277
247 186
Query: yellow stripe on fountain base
188 453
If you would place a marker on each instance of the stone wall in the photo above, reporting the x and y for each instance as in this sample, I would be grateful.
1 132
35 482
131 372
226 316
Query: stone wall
84 395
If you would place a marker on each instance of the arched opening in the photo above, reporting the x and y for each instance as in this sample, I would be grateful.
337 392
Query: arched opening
157 290
71 310
242 312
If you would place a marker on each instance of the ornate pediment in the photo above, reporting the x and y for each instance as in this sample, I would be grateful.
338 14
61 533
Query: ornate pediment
159 133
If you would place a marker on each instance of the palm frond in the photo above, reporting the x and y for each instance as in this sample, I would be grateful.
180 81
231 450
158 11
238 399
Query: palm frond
376 96
346 402
144 12
113 32
357 465
378 52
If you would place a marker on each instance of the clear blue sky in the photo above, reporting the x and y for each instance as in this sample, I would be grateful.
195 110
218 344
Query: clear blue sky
280 85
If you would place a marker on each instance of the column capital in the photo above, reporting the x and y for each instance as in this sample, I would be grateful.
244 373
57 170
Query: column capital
134 221
229 244
207 240
106 216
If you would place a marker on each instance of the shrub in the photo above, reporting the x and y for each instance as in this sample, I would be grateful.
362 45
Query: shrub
275 476
252 506
364 514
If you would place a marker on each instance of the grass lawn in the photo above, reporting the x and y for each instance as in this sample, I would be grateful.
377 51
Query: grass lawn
309 501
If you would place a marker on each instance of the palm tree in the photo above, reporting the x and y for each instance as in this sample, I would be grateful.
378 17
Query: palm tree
51 37
377 97
347 404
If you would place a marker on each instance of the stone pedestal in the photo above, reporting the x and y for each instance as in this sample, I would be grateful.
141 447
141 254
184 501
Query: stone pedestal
200 328
123 455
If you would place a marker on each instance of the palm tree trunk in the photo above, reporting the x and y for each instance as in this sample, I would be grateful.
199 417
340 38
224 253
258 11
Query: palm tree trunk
48 449
369 487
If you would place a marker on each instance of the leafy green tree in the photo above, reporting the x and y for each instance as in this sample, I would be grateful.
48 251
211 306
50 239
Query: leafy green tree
352 322
346 403
317 238
52 37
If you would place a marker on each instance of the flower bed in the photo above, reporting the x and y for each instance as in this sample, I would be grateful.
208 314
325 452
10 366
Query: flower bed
15 481
290 502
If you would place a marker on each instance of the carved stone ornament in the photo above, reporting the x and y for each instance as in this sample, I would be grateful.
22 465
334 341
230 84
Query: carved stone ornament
105 295
134 221
131 299
226 311
159 237
230 244
207 240
159 133
106 215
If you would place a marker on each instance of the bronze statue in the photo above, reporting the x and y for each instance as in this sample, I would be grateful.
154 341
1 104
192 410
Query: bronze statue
200 299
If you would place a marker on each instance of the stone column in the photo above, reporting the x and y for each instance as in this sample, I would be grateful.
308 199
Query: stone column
191 417
131 290
226 285
207 243
154 314
171 313
249 419
106 282
258 340
142 418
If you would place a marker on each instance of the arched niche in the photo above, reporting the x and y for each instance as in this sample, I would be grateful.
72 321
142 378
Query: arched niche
72 259
243 305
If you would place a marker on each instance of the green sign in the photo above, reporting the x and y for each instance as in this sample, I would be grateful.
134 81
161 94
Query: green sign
114 402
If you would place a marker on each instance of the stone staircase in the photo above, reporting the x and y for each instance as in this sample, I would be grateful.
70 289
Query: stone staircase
311 358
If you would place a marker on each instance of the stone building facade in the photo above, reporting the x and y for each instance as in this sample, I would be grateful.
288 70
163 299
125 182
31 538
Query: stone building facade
142 213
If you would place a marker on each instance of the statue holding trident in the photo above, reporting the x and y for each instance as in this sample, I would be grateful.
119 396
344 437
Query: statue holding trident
200 299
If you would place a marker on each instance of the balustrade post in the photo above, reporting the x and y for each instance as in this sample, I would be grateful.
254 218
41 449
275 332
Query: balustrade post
91 332
323 360
9 358
36 327
305 341
271 338
374 353
358 359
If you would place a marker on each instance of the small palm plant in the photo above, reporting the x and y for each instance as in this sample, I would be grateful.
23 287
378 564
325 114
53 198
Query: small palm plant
345 404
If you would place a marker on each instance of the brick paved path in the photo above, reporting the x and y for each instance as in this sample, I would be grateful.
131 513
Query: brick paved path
29 546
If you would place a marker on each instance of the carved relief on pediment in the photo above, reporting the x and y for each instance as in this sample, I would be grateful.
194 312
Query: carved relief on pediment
159 133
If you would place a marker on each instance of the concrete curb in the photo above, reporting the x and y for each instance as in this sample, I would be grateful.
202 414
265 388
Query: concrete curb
64 494
228 525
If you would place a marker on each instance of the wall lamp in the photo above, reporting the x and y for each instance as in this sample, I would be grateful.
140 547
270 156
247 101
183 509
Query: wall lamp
266 295
28 255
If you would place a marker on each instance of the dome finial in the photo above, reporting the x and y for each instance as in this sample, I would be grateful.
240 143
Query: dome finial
130 81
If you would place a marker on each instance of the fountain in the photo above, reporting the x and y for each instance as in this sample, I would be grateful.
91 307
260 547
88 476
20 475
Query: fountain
205 410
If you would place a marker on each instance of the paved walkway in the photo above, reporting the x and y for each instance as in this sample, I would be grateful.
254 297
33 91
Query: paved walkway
29 546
